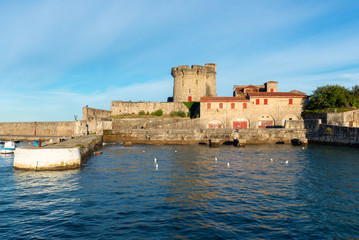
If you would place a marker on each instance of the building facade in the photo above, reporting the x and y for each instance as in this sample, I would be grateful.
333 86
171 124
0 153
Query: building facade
252 107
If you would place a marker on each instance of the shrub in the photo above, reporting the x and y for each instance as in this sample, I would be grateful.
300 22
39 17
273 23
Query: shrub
159 112
141 112
181 114
329 131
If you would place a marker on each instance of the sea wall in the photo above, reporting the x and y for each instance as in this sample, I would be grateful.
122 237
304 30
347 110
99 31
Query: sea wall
335 135
193 136
119 108
38 128
61 156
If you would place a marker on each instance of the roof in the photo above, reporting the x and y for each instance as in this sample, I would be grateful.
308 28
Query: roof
277 94
247 86
224 99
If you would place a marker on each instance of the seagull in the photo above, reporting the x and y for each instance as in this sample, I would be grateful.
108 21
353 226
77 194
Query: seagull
271 159
175 150
156 166
227 164
286 162
155 160
215 159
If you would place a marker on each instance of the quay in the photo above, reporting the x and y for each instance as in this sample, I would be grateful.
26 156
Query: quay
65 155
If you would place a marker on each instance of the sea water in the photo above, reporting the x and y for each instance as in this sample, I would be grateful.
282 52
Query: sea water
255 192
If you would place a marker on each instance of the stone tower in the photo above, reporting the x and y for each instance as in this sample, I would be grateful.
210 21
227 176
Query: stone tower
190 84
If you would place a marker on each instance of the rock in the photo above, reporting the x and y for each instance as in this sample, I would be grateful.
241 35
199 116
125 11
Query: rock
128 144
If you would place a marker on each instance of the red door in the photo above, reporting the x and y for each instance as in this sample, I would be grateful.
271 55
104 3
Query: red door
239 124
189 99
263 124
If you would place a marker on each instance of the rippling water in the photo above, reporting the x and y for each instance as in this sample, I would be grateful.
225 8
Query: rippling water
121 195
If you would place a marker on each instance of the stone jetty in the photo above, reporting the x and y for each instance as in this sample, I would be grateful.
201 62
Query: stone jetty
65 155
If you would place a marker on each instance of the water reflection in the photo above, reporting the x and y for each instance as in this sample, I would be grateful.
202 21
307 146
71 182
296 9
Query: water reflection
120 194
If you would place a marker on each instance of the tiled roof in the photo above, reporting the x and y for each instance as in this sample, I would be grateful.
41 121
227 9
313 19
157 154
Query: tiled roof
277 94
224 99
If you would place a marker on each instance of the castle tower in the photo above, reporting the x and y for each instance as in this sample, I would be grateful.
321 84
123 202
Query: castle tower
190 84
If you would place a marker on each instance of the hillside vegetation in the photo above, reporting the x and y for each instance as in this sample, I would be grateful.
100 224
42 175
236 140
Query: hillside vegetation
331 98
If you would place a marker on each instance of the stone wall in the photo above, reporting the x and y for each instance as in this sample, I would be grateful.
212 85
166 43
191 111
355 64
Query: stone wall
311 125
193 136
61 129
119 108
350 118
89 113
160 123
336 135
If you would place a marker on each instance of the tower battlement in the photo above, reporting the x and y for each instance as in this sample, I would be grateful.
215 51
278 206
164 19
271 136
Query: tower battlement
185 69
192 83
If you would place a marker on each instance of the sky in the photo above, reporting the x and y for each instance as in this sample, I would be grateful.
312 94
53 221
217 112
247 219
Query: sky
57 56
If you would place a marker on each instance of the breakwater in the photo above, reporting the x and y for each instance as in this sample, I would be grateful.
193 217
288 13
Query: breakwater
61 156
194 136
335 135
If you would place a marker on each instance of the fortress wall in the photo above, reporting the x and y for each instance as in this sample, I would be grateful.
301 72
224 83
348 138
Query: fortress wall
342 118
336 135
158 123
119 108
311 125
38 128
87 113
195 136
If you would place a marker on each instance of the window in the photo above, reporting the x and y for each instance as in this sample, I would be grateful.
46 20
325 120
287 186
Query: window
233 105
290 101
189 90
208 105
265 101
220 105
196 81
257 101
244 105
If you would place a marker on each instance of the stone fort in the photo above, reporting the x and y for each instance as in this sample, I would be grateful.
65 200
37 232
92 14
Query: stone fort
244 115
251 106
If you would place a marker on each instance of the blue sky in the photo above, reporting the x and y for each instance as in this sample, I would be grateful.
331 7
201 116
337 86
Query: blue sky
58 56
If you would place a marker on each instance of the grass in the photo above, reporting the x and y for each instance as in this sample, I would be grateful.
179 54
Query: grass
141 116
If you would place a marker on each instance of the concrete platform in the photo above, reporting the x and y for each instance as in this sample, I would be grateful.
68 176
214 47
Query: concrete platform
65 155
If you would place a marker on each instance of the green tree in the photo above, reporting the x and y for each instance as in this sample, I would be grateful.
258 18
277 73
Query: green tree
355 95
330 96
